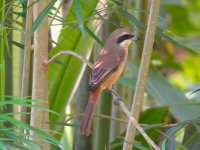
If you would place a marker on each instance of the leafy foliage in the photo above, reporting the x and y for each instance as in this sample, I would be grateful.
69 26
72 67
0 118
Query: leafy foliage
173 72
62 81
16 135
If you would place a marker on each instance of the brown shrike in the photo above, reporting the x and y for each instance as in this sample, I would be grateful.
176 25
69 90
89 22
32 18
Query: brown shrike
106 70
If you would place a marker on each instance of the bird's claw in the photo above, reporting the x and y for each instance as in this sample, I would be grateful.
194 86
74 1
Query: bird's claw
117 100
109 90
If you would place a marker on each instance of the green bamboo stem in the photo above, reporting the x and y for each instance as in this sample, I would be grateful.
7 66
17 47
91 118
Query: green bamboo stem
2 65
8 57
102 126
82 142
143 71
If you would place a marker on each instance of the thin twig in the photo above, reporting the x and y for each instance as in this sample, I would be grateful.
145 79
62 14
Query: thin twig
143 72
121 104
133 120
81 114
110 118
135 123
97 115
69 52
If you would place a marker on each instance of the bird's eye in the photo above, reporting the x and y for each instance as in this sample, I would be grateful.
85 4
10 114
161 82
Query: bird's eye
124 37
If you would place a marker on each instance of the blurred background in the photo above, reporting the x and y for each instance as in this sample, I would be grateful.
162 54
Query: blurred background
171 111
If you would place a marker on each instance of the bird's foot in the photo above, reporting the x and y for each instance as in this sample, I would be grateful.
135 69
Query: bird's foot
109 90
117 100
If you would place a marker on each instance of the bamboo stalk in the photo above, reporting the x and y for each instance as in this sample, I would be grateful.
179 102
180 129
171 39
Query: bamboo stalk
27 58
40 72
82 142
2 63
101 140
137 126
143 71
8 58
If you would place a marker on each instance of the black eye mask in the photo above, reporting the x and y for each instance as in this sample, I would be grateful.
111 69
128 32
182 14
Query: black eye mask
124 37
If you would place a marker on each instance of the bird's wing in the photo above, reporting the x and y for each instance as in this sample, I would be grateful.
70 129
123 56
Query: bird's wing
104 65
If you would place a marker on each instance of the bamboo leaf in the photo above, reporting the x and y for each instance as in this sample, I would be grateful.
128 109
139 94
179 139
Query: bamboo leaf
93 35
41 17
78 13
165 35
28 127
16 44
63 82
165 94
2 146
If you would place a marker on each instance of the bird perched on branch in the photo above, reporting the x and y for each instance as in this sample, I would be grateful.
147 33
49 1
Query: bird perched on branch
106 70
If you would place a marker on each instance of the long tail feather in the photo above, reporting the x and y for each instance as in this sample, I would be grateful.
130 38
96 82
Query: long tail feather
86 123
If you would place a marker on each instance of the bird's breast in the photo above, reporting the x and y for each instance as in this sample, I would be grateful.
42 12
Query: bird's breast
113 76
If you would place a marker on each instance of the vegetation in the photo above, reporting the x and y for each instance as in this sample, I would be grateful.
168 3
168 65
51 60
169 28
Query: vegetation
43 101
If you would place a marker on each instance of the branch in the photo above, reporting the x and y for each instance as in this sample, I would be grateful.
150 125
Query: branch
80 115
121 104
143 71
133 121
137 126
68 52
97 115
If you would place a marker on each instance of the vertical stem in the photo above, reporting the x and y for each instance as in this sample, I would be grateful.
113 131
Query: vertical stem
143 71
2 67
40 86
115 112
142 17
8 56
27 59
82 142
103 125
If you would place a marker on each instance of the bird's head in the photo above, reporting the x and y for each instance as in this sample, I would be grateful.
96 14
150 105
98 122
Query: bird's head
122 37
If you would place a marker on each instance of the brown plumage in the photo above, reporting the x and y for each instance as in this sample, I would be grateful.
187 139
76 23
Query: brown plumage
106 70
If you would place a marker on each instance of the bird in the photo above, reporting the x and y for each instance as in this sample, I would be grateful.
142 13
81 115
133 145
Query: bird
106 70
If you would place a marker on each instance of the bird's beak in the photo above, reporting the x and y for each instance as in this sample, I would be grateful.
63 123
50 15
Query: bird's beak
135 38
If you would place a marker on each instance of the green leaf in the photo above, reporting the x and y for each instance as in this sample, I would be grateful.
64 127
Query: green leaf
178 19
78 13
93 35
192 137
164 35
117 145
41 17
28 127
16 44
62 79
152 116
167 95
2 146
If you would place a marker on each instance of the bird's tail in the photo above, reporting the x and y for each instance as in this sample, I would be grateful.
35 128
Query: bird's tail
86 122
